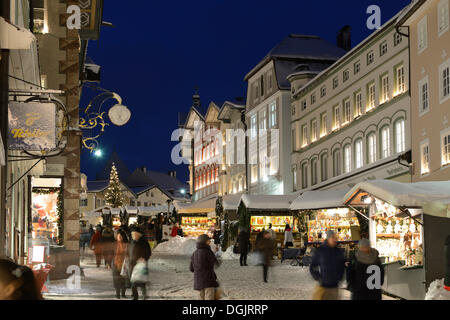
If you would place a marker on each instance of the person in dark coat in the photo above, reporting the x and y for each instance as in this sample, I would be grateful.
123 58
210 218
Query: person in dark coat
358 275
138 249
202 265
327 267
265 246
244 246
447 274
108 246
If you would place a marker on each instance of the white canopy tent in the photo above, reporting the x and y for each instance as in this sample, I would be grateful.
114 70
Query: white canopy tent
268 202
202 206
327 199
410 195
231 201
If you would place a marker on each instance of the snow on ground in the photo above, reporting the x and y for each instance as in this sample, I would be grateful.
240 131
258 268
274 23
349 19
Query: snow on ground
171 279
437 291
177 246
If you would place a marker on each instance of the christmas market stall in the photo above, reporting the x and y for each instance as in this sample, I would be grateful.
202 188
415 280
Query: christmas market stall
321 211
408 234
256 212
198 218
229 219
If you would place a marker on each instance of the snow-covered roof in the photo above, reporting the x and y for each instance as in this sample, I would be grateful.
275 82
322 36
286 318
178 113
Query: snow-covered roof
231 201
401 194
153 211
202 206
97 186
268 202
305 47
326 199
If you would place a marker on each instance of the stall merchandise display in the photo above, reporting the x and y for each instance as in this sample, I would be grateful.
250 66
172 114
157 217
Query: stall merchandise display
195 226
397 238
340 221
258 223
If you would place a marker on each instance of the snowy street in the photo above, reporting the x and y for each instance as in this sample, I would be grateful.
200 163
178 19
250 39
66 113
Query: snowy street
170 279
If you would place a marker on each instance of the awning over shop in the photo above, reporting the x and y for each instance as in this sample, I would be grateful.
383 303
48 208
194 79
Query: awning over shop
14 37
153 211
231 201
399 194
202 206
268 202
327 199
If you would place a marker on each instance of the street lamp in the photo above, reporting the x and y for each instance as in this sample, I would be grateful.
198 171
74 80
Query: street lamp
118 114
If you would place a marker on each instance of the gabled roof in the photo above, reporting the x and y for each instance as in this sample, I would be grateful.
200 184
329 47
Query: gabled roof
97 186
122 169
228 106
300 47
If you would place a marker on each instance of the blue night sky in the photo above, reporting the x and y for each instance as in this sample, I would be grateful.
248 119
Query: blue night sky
159 51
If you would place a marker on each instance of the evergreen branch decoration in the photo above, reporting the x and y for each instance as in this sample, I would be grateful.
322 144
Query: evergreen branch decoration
59 208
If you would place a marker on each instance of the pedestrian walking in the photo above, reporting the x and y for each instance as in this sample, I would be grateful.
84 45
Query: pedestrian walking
288 237
327 267
85 236
244 246
96 246
139 252
273 235
358 275
265 246
203 261
108 246
447 274
120 281
17 282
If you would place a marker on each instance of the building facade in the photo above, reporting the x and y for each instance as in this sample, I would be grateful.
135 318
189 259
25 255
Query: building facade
352 121
268 109
429 35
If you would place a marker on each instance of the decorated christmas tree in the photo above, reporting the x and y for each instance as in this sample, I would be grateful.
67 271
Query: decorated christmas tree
114 195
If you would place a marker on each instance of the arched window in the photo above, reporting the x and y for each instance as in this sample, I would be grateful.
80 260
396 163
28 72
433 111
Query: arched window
304 175
337 162
217 173
347 158
385 142
400 143
313 171
372 148
359 159
324 167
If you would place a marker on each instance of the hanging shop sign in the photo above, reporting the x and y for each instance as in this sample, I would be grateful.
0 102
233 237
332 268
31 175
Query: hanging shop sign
32 126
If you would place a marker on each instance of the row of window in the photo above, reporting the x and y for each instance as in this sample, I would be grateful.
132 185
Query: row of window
444 88
208 152
100 202
425 152
272 120
442 27
351 157
356 69
206 177
134 203
236 185
344 114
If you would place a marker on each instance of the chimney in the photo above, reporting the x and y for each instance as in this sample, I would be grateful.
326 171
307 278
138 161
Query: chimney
344 38
173 174
196 99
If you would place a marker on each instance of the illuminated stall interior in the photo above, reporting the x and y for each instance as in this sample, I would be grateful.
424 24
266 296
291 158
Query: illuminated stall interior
198 218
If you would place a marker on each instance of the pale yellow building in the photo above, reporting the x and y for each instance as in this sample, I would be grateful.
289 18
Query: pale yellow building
429 35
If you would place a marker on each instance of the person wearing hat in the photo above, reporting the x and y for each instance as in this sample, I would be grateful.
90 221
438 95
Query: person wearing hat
139 249
202 265
365 283
327 267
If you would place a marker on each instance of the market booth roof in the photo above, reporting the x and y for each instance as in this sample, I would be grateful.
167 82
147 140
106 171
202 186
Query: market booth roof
412 195
202 206
315 200
231 201
268 202
153 211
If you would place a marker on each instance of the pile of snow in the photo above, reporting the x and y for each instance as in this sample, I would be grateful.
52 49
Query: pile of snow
177 246
253 258
229 255
180 246
437 291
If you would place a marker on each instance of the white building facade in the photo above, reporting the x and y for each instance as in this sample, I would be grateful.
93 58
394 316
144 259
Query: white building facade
352 121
